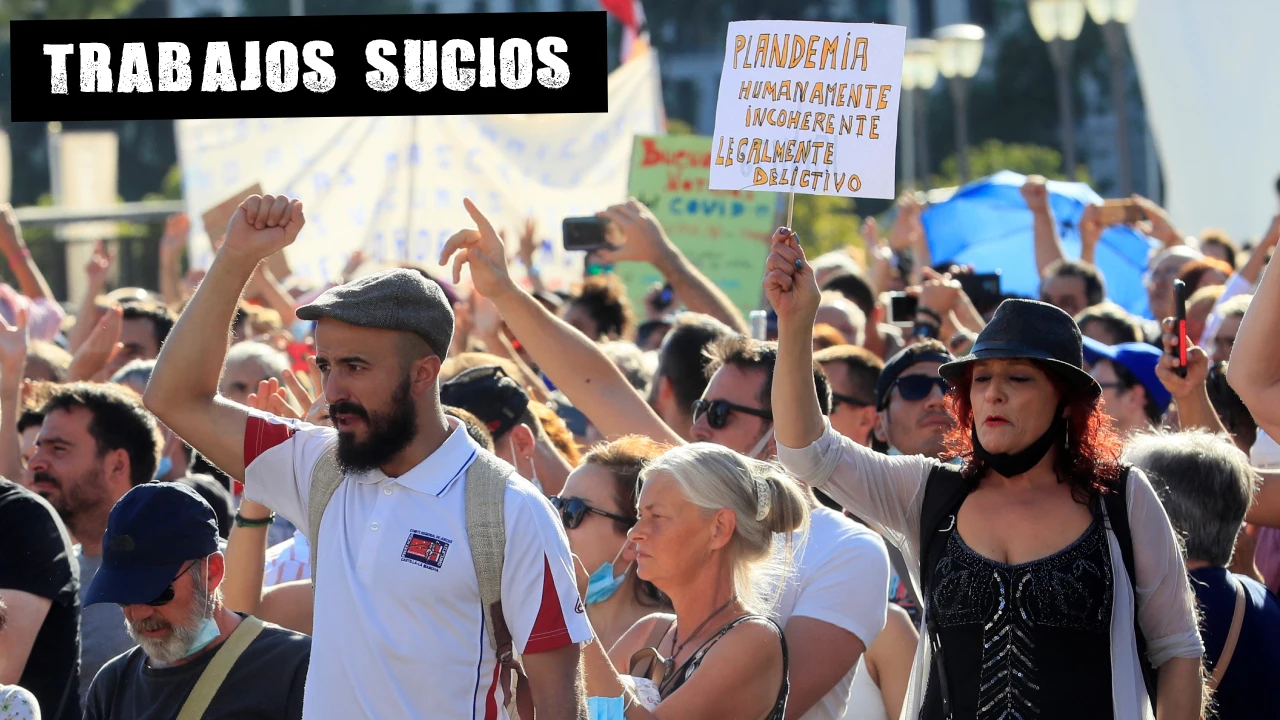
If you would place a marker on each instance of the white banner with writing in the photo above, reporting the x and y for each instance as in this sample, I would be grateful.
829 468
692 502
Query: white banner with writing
809 107
393 186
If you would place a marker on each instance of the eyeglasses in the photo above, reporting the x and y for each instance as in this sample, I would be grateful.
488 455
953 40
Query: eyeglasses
573 510
919 387
166 597
837 398
717 412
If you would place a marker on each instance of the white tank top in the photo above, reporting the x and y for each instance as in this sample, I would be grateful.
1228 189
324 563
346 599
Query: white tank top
865 700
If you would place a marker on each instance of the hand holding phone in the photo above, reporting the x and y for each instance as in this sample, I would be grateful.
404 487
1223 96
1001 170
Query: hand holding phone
587 233
902 309
1180 326
1120 212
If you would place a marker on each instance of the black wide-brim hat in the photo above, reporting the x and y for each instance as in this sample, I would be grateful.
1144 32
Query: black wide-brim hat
1031 330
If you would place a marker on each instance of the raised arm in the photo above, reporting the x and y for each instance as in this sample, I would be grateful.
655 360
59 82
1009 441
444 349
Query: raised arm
574 363
172 243
1162 227
183 391
1253 372
13 364
644 240
96 272
792 290
1191 393
1045 229
30 282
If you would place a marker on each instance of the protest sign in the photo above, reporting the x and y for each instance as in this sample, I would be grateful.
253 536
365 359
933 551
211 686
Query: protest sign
809 107
723 233
312 66
393 186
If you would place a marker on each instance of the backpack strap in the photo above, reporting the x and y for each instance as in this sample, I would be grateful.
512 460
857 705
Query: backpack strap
1233 635
485 488
219 667
326 476
1116 504
945 491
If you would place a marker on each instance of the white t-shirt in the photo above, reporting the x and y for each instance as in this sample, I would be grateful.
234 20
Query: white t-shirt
842 578
399 631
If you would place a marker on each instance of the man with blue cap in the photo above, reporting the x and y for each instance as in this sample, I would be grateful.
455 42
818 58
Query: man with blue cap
195 658
1132 394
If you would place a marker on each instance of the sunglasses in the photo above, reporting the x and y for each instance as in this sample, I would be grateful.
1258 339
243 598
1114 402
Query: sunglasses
166 597
837 398
573 510
659 668
919 387
717 412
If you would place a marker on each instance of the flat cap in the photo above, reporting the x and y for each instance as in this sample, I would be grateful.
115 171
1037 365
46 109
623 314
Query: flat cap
396 299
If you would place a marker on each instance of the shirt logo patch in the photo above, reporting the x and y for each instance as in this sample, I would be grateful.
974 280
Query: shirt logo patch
425 550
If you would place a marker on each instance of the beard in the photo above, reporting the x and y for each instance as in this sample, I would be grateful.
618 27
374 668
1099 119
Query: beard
388 432
182 635
72 500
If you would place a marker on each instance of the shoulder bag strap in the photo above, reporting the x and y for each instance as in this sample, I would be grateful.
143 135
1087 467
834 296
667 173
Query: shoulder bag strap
485 488
216 671
944 493
1237 620
1116 503
326 476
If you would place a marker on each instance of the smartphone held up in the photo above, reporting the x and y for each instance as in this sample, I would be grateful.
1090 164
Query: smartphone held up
1180 326
588 233
1120 212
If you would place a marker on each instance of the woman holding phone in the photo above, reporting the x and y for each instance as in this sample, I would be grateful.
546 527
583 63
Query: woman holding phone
1021 553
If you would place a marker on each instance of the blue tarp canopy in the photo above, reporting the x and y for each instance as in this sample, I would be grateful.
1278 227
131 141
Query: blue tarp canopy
986 224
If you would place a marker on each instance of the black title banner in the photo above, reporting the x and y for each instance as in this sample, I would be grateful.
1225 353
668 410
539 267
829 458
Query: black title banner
322 66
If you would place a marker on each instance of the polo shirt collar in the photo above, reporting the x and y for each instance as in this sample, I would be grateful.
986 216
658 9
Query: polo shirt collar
438 471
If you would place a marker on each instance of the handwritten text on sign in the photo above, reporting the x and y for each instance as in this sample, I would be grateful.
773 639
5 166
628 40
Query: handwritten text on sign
809 107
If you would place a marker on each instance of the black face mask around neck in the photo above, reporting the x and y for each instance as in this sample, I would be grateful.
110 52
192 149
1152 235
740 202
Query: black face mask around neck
1014 464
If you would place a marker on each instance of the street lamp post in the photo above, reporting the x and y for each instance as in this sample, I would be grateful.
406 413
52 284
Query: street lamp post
959 54
1058 23
1112 16
919 75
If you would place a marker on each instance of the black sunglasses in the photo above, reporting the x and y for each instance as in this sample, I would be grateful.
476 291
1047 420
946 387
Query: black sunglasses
573 510
837 398
918 387
717 412
166 597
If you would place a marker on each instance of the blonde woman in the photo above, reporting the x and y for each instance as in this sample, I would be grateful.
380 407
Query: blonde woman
705 537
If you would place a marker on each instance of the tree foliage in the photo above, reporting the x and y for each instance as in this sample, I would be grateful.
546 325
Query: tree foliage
992 156
64 9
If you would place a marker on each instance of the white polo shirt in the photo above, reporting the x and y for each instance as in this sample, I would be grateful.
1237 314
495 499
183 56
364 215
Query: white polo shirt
399 631
842 578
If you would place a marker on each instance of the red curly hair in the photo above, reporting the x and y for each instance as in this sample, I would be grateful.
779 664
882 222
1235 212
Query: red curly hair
1089 461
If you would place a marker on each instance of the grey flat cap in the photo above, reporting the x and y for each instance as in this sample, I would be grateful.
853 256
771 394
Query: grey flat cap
397 299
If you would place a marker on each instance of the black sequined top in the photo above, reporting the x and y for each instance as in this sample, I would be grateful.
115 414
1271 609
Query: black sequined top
1024 642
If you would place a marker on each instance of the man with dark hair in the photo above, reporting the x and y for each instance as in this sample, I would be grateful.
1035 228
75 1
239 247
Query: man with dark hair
1108 323
1072 286
912 415
96 442
681 376
736 409
404 470
852 373
144 328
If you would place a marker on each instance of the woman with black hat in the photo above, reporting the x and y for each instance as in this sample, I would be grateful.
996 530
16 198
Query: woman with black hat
1031 553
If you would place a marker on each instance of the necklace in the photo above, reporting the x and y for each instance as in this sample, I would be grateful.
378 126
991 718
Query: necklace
670 663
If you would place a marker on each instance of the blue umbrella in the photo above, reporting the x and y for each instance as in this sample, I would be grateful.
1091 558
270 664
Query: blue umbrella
986 224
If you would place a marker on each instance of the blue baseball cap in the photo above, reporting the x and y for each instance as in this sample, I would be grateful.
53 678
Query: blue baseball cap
151 533
1140 359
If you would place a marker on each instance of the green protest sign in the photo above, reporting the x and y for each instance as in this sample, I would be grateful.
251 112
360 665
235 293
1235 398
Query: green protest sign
724 233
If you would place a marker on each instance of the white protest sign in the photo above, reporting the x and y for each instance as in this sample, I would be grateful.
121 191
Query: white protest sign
809 107
393 186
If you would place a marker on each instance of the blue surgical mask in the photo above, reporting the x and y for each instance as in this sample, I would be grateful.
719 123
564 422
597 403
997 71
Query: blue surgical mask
166 464
602 584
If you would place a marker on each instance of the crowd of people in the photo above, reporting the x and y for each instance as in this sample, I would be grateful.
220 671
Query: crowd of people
527 502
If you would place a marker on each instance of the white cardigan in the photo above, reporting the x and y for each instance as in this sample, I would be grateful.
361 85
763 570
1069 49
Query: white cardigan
888 492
